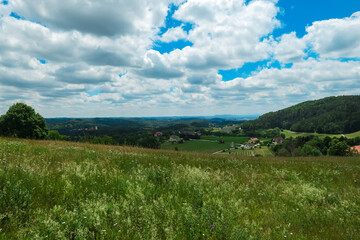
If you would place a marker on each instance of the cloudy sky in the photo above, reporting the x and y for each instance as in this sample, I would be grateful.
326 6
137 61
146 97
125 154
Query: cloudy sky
121 58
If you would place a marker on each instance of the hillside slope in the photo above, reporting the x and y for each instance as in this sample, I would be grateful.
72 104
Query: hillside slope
65 190
328 115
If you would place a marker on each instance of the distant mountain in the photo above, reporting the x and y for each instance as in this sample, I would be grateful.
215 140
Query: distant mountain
328 115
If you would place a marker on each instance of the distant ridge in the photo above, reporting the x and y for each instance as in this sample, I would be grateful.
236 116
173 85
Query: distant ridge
328 115
225 117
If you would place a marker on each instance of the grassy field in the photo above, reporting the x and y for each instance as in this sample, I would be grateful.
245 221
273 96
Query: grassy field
295 134
196 146
63 190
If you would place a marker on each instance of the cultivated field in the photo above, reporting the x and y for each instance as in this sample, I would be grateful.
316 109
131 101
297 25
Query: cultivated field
64 190
263 151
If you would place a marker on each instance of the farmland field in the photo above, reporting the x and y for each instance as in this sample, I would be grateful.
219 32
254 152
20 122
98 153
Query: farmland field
264 151
66 190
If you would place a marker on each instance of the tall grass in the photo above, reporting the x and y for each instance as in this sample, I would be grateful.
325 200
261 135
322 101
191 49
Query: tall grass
59 190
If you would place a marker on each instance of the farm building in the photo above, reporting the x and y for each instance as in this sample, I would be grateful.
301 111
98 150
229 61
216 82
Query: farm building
158 134
278 140
356 149
253 140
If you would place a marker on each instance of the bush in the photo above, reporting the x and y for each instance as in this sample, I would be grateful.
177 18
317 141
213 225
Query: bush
309 150
55 135
283 153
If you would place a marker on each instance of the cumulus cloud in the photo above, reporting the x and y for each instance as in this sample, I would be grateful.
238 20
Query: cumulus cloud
336 38
97 56
226 34
290 49
103 18
173 35
156 66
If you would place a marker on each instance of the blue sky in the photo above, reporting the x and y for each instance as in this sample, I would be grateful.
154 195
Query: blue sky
176 57
299 14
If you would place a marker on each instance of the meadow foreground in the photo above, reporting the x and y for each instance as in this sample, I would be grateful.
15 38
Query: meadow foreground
64 190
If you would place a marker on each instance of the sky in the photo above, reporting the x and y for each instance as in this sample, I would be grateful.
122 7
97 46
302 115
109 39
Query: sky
118 58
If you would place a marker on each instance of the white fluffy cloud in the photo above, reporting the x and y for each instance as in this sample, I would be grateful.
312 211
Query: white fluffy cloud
336 38
226 34
99 60
103 18
173 35
290 49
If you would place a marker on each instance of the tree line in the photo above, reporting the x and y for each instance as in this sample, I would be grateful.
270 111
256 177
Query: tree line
21 121
315 146
329 115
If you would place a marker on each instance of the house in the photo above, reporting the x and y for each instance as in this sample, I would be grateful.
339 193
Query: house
253 140
278 140
356 149
158 134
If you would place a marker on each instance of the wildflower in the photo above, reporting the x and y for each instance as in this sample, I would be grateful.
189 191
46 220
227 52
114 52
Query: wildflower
104 230
85 217
211 226
115 224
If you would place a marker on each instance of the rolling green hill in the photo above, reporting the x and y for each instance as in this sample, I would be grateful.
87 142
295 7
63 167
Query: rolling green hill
329 115
66 190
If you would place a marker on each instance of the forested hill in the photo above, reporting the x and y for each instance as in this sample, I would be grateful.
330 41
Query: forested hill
328 115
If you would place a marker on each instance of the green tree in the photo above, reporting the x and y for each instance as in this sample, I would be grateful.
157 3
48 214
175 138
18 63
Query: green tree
22 121
338 148
309 150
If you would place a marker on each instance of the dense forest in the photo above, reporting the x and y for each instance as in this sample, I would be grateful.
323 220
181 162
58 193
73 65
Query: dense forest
329 115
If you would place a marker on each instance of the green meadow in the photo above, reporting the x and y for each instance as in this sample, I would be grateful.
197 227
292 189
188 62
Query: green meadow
196 146
65 190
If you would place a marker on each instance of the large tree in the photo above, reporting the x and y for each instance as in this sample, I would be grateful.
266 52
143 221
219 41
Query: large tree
22 121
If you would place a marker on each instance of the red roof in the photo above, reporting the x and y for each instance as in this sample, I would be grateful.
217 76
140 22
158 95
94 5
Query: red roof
356 148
